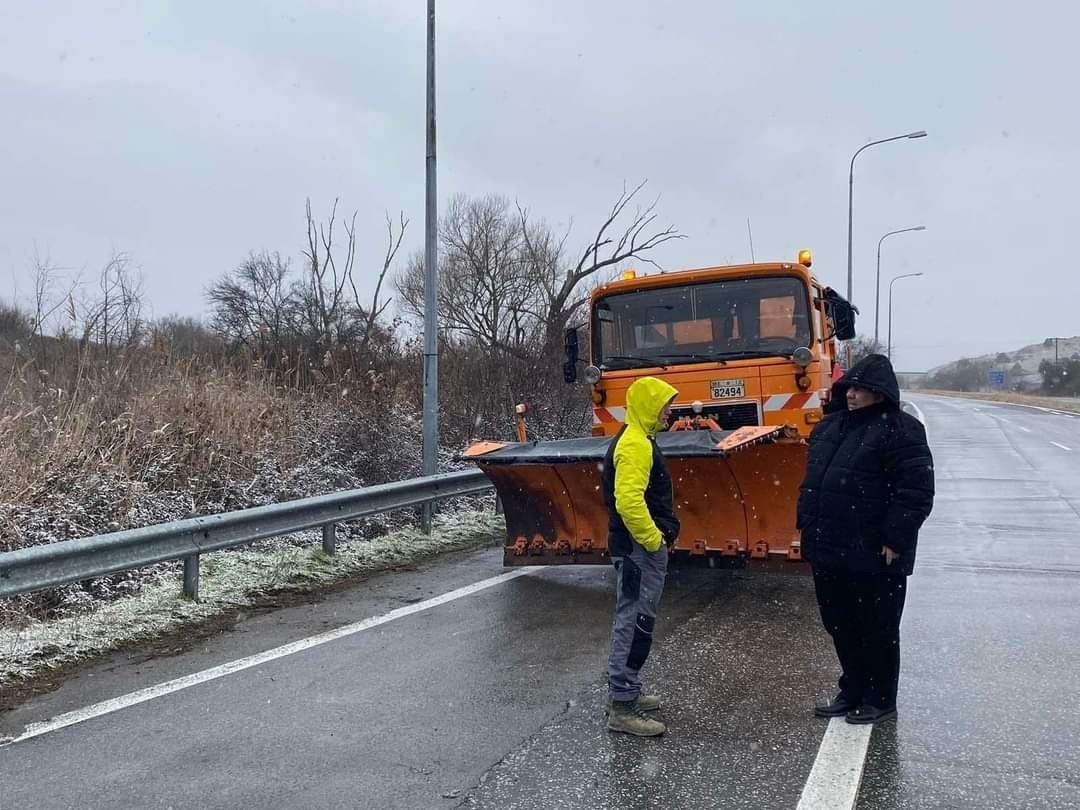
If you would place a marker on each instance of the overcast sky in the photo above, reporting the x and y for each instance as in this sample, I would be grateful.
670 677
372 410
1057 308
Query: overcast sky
190 133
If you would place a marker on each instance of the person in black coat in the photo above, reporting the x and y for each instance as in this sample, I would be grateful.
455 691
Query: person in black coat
869 487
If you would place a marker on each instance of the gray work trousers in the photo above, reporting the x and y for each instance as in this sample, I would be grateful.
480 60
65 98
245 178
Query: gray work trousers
639 583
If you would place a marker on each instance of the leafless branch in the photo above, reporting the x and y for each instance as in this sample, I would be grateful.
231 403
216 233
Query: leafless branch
635 241
375 311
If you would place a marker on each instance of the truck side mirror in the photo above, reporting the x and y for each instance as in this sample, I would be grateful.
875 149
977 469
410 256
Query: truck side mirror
844 318
843 314
570 344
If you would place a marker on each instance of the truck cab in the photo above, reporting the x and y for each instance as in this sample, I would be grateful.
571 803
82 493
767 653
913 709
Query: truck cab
744 345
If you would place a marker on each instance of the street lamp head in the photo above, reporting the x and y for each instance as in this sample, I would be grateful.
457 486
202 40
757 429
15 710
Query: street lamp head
851 193
919 228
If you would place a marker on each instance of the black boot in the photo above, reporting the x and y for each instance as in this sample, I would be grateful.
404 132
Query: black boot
841 705
865 714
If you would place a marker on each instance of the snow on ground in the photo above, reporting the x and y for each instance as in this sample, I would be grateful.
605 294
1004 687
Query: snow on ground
228 579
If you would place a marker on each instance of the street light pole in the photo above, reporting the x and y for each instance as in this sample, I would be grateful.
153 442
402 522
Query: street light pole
888 352
851 188
877 283
431 279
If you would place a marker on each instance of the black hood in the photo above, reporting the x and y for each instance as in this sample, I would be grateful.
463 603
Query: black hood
874 373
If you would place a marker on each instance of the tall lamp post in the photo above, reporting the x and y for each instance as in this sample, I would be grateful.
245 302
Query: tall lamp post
431 280
877 283
895 279
851 186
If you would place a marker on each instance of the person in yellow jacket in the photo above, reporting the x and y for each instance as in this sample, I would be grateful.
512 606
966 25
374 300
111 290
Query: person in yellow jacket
641 527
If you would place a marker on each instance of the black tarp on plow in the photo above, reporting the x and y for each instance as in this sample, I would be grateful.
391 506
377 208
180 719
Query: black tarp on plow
679 444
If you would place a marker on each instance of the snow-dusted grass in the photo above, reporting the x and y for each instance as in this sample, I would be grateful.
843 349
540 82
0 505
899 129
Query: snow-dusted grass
227 579
93 442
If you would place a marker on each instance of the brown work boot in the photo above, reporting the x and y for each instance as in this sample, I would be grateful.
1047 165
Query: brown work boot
645 703
625 716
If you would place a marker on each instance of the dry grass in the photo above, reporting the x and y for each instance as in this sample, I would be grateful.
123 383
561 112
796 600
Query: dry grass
93 442
147 417
89 446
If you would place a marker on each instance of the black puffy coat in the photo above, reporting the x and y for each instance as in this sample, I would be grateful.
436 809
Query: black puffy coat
869 479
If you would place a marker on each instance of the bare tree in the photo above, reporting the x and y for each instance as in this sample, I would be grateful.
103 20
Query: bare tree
500 280
562 285
375 311
326 275
507 289
312 319
46 302
486 283
862 347
253 306
113 319
186 336
487 294
331 317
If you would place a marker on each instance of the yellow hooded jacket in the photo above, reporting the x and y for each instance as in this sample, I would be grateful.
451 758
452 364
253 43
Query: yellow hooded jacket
632 459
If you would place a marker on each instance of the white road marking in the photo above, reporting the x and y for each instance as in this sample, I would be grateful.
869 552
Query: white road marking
1070 414
918 412
220 671
920 416
834 780
1003 404
1063 447
1010 423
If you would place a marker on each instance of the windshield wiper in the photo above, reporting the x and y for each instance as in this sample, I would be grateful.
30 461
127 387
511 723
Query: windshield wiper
714 357
635 361
749 355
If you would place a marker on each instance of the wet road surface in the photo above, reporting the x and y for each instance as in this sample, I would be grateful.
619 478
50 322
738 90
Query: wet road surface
989 691
496 699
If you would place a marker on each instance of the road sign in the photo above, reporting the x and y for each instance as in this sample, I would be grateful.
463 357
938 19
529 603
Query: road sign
996 379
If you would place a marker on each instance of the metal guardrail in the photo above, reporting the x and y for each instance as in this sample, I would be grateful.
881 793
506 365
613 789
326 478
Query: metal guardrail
39 567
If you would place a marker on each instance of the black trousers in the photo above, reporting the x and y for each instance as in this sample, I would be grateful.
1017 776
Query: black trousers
862 614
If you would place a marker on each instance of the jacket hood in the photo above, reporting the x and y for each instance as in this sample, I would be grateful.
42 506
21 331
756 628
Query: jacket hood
644 400
874 373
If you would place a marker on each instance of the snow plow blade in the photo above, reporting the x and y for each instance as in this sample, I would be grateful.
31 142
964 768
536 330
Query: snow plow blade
735 494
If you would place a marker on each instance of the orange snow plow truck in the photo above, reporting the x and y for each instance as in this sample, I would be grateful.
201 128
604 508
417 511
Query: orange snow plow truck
748 348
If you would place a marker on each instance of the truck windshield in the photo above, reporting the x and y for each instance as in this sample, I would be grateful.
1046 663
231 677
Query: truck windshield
698 323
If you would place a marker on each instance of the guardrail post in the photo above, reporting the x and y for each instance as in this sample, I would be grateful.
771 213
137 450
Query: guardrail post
329 538
191 577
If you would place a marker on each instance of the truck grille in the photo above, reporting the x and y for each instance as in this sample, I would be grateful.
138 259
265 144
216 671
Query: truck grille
729 417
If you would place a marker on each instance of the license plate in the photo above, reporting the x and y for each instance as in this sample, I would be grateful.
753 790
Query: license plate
727 389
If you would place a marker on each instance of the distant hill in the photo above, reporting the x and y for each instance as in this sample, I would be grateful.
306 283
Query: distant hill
1021 366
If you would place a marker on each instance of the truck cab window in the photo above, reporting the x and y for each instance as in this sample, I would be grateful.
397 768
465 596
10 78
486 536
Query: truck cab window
703 322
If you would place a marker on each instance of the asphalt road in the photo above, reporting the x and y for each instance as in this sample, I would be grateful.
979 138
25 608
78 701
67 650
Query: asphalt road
989 687
495 699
